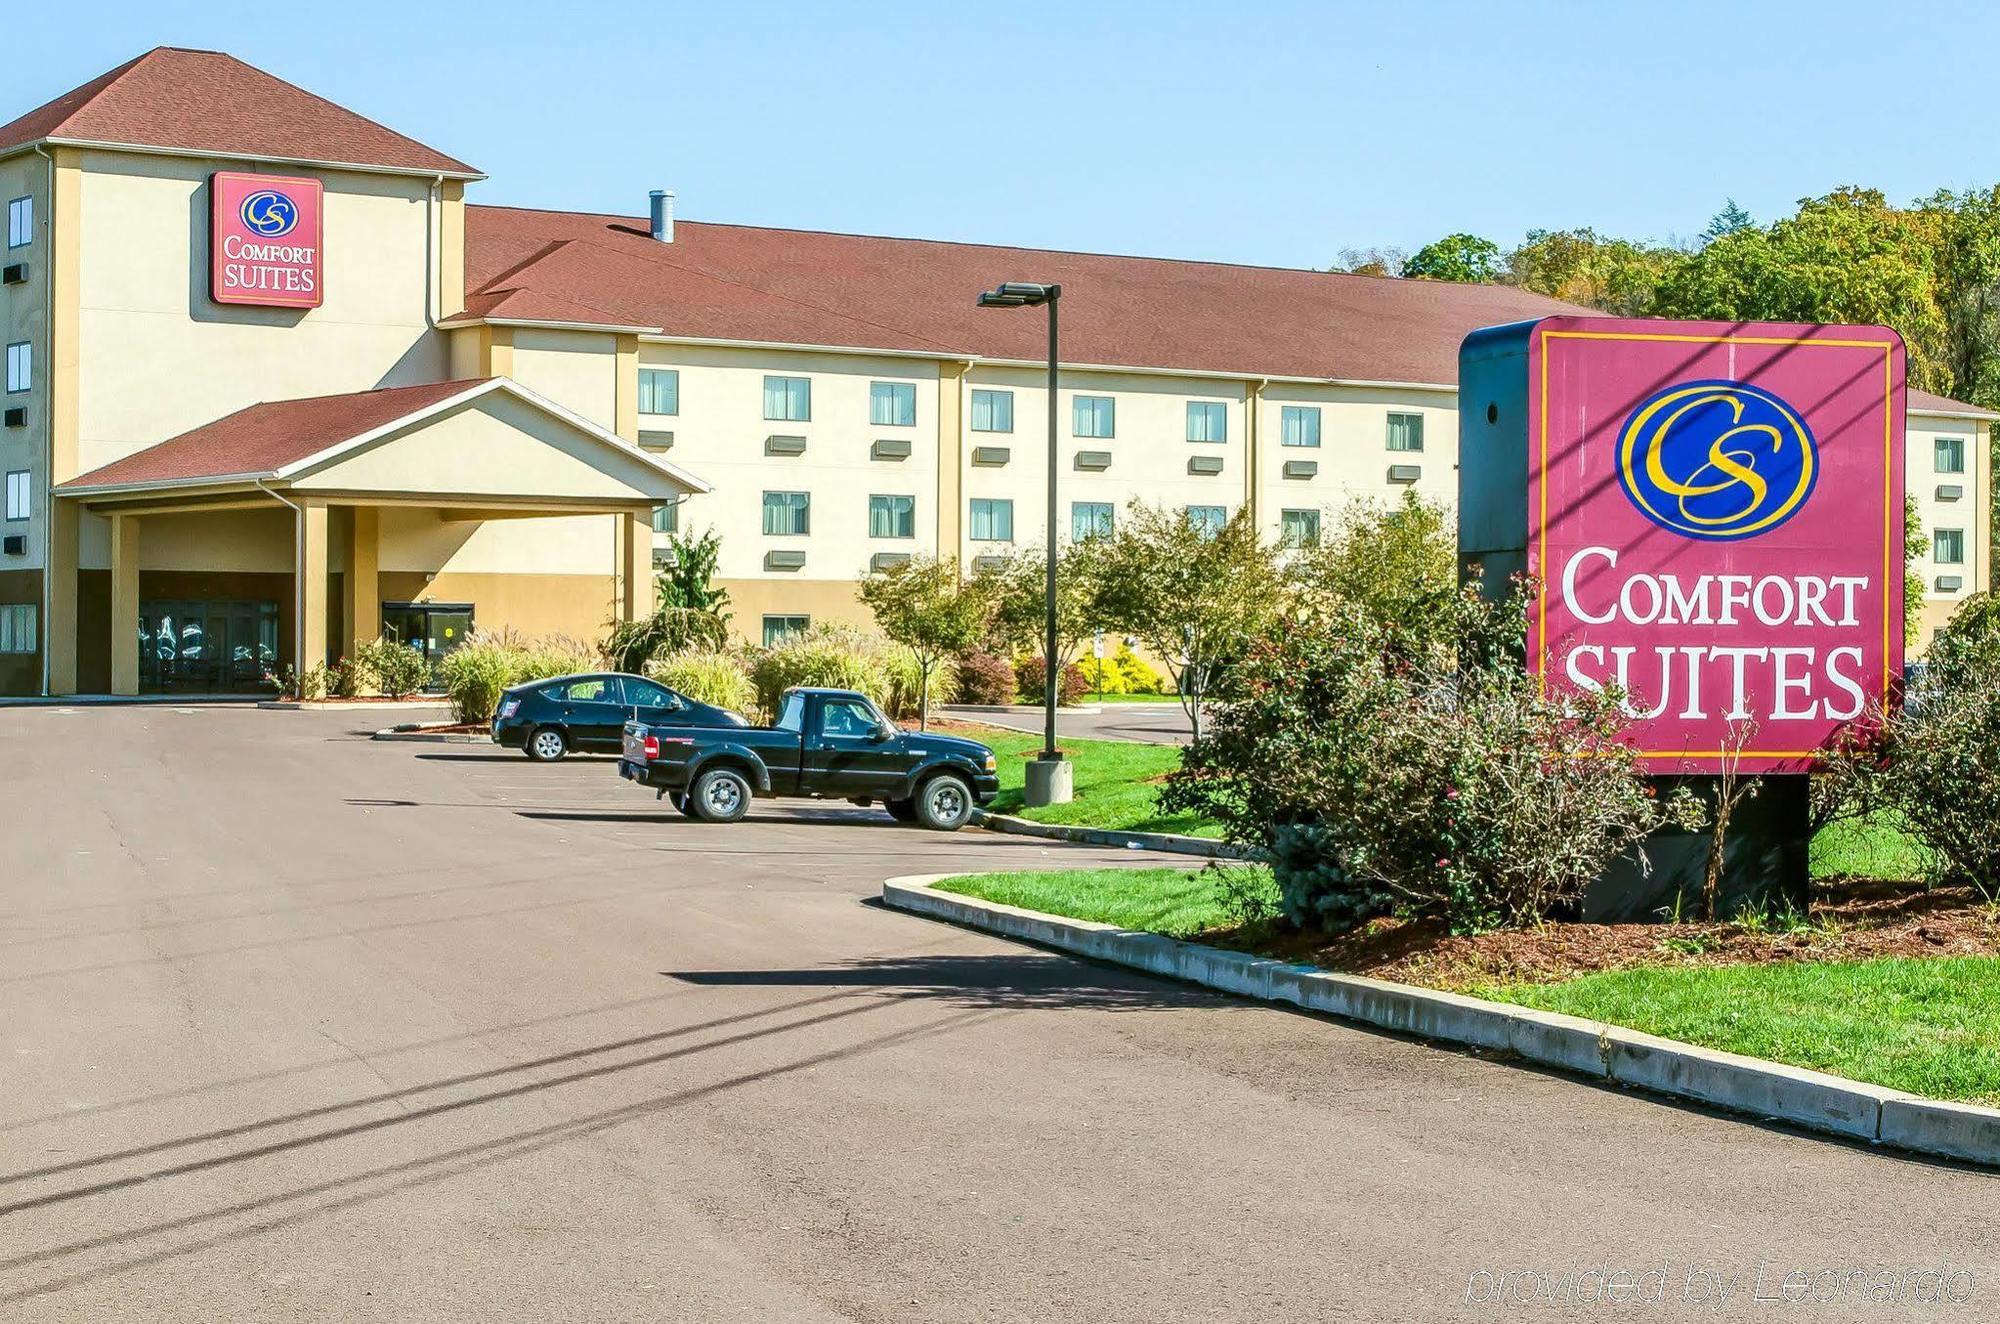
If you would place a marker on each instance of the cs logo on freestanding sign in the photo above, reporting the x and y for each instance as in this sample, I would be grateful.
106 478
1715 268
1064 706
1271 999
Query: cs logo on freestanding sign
1715 512
264 241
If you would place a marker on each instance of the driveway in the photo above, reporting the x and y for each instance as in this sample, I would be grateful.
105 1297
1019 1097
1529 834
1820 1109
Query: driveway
297 1026
1148 723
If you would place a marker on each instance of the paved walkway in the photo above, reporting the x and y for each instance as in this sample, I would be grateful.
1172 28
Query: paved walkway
297 1026
1149 723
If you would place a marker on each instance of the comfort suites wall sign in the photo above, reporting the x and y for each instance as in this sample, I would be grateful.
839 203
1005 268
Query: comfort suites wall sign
1716 513
264 241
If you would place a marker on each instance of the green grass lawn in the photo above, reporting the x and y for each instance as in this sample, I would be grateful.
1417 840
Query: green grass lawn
1872 847
1931 1027
1180 903
1117 783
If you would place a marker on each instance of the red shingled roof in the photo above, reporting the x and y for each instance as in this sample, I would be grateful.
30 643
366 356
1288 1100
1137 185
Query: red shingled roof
735 282
206 101
263 439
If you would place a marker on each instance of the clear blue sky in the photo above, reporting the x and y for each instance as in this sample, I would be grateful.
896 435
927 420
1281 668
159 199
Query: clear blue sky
1253 132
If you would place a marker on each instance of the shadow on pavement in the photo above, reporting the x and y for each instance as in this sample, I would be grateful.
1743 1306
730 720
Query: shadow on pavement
1009 982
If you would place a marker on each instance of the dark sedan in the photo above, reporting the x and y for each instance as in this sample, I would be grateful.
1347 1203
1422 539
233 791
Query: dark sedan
547 719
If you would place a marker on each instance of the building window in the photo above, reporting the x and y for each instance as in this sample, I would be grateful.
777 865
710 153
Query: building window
1208 520
1299 528
783 629
1948 546
1095 416
17 494
1089 519
892 517
20 222
992 411
1950 454
667 518
892 404
17 627
992 519
20 366
788 399
1207 421
659 391
1406 432
1298 425
787 514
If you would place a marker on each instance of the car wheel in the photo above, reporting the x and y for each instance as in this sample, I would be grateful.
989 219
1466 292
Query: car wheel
683 802
546 744
903 811
720 795
944 803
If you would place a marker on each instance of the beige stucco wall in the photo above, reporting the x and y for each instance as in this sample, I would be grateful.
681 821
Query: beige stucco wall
157 357
576 369
1967 514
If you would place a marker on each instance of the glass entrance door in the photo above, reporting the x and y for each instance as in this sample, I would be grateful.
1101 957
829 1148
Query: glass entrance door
219 647
433 628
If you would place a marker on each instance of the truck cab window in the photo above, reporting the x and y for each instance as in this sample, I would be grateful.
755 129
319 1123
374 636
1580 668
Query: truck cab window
845 717
792 717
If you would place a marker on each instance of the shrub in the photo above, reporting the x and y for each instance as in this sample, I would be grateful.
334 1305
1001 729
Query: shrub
1122 673
396 669
668 630
1375 783
707 676
900 669
475 674
827 656
986 678
349 677
1029 673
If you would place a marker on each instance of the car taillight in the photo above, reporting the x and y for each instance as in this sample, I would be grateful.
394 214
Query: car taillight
652 747
508 707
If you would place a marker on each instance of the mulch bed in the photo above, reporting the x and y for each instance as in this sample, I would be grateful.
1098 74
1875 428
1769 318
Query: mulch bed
1849 920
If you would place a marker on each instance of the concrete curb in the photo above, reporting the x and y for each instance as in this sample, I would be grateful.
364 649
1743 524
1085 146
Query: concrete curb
1022 709
1170 842
435 737
348 705
1611 1053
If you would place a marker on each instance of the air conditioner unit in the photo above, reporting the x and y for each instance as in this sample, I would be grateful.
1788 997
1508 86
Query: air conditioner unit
17 417
14 544
14 273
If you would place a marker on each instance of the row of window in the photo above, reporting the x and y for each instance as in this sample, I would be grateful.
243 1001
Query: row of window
991 519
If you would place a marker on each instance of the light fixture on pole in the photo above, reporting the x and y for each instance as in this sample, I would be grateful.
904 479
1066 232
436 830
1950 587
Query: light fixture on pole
1049 777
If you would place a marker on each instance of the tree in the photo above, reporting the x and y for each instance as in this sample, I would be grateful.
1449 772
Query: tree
1727 221
689 613
1456 257
1195 600
1398 565
1916 546
1020 596
1371 261
1581 266
926 607
689 580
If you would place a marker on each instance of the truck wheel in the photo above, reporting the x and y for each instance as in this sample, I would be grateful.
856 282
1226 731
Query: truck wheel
546 745
720 795
903 811
944 803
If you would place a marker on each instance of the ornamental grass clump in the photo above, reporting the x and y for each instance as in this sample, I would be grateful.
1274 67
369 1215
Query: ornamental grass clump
709 676
1381 779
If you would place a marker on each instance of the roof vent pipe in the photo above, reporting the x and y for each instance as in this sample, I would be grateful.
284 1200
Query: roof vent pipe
663 215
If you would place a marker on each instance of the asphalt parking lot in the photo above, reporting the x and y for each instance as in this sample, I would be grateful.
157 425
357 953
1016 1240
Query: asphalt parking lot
298 1026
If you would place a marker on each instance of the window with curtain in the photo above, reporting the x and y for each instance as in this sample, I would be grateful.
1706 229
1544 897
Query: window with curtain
1089 519
659 391
777 629
788 399
992 519
1094 416
1298 425
892 517
892 404
1207 520
17 627
1207 421
1299 528
992 411
1406 432
667 518
1949 454
1948 546
787 514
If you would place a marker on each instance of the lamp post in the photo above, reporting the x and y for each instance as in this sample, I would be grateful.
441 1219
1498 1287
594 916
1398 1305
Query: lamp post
1049 777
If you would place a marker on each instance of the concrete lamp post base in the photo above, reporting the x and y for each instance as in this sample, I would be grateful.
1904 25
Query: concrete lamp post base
1050 782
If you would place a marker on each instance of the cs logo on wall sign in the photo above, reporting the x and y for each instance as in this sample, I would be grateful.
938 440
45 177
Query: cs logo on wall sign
269 213
1717 460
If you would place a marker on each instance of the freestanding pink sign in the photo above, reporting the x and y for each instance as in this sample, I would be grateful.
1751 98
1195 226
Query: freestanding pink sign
1715 511
264 240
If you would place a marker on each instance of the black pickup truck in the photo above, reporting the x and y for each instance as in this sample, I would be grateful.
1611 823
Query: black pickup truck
826 744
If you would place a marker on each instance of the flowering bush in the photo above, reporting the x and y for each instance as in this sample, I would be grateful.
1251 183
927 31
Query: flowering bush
1377 781
1122 673
986 678
1030 674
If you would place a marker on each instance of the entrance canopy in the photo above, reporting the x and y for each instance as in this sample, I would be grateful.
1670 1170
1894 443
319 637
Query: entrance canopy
470 451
